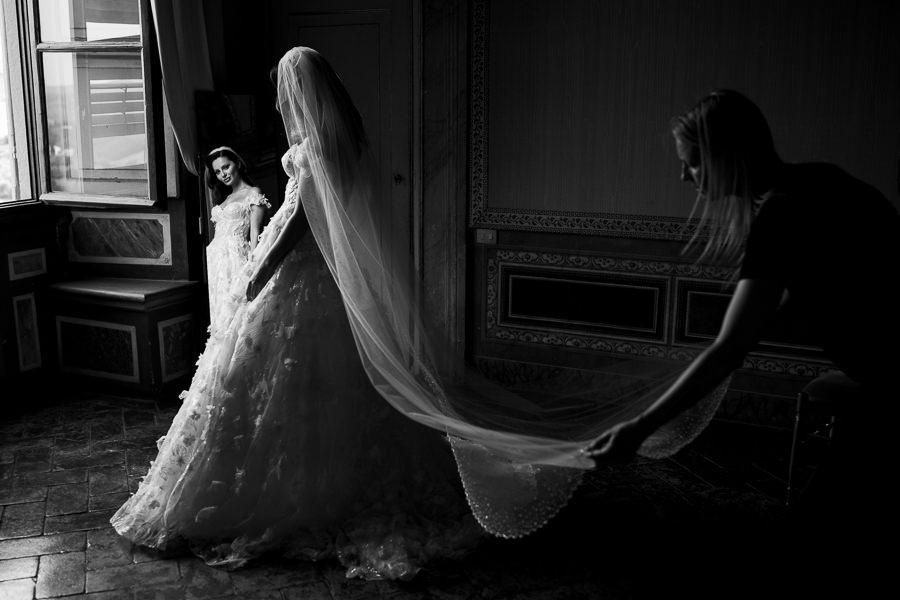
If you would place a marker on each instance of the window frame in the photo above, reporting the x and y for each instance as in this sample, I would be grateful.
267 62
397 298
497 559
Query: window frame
153 103
17 41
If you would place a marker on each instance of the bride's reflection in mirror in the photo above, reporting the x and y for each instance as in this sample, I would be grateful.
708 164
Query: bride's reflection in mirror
237 217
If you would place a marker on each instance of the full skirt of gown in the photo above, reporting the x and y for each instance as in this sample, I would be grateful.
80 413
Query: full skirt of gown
282 444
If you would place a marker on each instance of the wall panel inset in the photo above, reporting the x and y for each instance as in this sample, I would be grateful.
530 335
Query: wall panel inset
98 348
120 238
582 301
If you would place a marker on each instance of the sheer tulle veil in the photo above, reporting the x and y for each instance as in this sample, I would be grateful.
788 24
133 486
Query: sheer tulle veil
520 456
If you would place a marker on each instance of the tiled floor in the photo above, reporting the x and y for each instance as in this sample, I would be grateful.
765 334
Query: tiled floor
709 519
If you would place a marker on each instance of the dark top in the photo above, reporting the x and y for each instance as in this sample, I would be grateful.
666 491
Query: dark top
834 242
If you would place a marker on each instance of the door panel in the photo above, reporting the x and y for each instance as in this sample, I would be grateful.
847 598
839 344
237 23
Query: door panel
369 45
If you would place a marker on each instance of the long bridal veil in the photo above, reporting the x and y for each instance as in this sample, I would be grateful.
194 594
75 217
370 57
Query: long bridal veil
520 456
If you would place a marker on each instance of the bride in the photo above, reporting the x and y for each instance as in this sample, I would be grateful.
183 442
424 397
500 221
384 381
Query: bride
282 443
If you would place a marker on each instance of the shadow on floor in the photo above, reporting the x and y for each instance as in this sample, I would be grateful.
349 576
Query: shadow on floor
709 522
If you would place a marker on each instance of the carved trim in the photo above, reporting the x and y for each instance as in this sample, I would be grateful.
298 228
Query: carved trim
161 328
28 339
27 263
481 215
164 258
131 330
619 344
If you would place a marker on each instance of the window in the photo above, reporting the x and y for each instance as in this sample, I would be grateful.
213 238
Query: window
15 178
92 80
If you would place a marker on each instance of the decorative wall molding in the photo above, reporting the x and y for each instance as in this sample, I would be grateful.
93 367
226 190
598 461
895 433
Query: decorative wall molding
120 238
26 263
98 348
176 348
28 339
772 357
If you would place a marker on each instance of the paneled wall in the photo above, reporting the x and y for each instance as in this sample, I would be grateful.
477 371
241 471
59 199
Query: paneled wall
30 255
576 215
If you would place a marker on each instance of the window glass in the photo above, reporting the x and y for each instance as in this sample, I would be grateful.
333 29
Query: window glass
89 20
8 183
96 131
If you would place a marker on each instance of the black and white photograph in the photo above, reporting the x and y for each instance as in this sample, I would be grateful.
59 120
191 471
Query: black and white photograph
448 299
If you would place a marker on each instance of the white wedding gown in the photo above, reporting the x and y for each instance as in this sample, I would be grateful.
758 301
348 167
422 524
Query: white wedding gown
229 249
282 444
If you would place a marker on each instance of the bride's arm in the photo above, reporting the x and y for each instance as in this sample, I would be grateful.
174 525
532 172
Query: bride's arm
294 229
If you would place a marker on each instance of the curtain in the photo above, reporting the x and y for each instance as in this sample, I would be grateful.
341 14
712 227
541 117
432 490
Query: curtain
185 60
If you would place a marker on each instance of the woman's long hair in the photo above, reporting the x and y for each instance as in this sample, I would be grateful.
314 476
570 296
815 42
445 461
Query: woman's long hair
737 163
220 191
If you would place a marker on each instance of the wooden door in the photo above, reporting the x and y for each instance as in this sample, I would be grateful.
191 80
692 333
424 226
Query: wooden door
369 44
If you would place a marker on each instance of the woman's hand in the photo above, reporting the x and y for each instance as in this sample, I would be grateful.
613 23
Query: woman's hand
619 443
258 280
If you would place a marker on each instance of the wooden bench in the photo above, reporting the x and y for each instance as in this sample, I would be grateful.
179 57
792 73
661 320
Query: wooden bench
128 335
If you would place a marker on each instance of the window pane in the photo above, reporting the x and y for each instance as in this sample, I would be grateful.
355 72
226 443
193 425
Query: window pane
7 172
89 20
97 139
9 184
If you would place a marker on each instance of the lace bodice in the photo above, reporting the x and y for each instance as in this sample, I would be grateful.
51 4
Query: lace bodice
232 217
229 250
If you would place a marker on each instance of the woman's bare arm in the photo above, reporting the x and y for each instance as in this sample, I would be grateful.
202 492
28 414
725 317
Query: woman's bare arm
752 306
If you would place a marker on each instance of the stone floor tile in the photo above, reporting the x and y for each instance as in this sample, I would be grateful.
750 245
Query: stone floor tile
6 471
34 453
76 440
19 495
85 457
45 544
66 499
17 589
60 575
138 459
313 590
52 478
110 446
160 593
72 427
145 437
544 565
108 501
18 568
108 480
137 417
106 548
107 430
262 595
275 575
78 521
130 577
22 520
339 586
107 455
143 554
33 430
35 459
201 581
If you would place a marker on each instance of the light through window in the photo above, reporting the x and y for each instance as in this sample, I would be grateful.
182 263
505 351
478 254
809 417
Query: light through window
8 183
94 93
